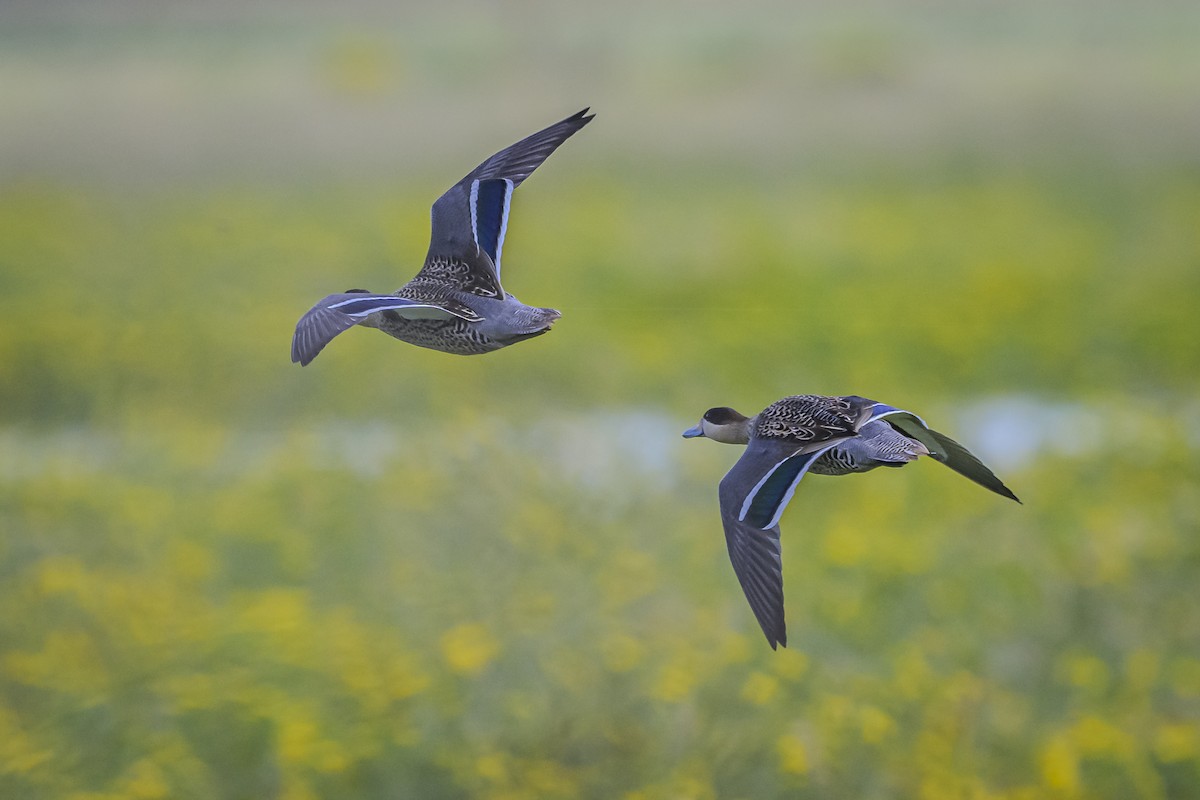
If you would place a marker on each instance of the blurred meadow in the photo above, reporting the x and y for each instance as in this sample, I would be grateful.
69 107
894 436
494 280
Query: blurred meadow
398 573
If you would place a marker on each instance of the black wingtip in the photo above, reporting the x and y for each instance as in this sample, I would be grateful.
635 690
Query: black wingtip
776 634
1002 490
997 486
965 463
300 352
297 358
582 116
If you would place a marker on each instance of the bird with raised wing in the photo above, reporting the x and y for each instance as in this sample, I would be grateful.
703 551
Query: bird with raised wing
801 434
455 303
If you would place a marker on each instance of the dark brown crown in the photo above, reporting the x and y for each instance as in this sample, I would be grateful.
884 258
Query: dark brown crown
723 415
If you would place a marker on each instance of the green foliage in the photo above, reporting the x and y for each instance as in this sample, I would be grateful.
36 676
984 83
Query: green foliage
399 573
116 305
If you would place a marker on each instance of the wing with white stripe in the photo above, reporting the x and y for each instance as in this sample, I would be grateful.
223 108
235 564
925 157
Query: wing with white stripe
764 503
469 220
340 312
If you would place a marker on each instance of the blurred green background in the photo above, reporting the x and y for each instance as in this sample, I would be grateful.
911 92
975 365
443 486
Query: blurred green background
399 573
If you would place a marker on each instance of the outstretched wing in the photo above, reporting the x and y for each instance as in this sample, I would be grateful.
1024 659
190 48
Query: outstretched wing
757 561
339 312
944 449
753 495
469 221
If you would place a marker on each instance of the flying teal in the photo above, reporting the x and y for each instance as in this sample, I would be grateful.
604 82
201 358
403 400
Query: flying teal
801 434
456 303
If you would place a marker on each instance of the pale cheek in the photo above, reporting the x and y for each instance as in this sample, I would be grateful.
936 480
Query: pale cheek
727 434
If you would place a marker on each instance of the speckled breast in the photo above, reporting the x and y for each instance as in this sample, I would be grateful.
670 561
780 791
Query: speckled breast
449 336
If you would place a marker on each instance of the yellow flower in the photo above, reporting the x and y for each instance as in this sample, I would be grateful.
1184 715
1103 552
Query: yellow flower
1177 742
492 767
61 575
759 688
834 711
627 576
1086 672
793 755
1142 667
403 676
675 682
468 648
876 724
297 738
67 662
548 779
190 561
296 788
277 611
1095 736
1060 766
145 781
737 649
912 672
621 652
18 753
329 756
790 664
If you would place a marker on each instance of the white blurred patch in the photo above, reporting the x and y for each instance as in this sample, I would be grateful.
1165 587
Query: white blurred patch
627 447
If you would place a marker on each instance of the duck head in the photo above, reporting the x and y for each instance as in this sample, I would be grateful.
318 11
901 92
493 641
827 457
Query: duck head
722 424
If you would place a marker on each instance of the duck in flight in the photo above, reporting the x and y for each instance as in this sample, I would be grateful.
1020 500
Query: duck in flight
801 434
455 303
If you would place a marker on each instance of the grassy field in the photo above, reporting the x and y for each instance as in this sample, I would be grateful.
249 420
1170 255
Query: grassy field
398 573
